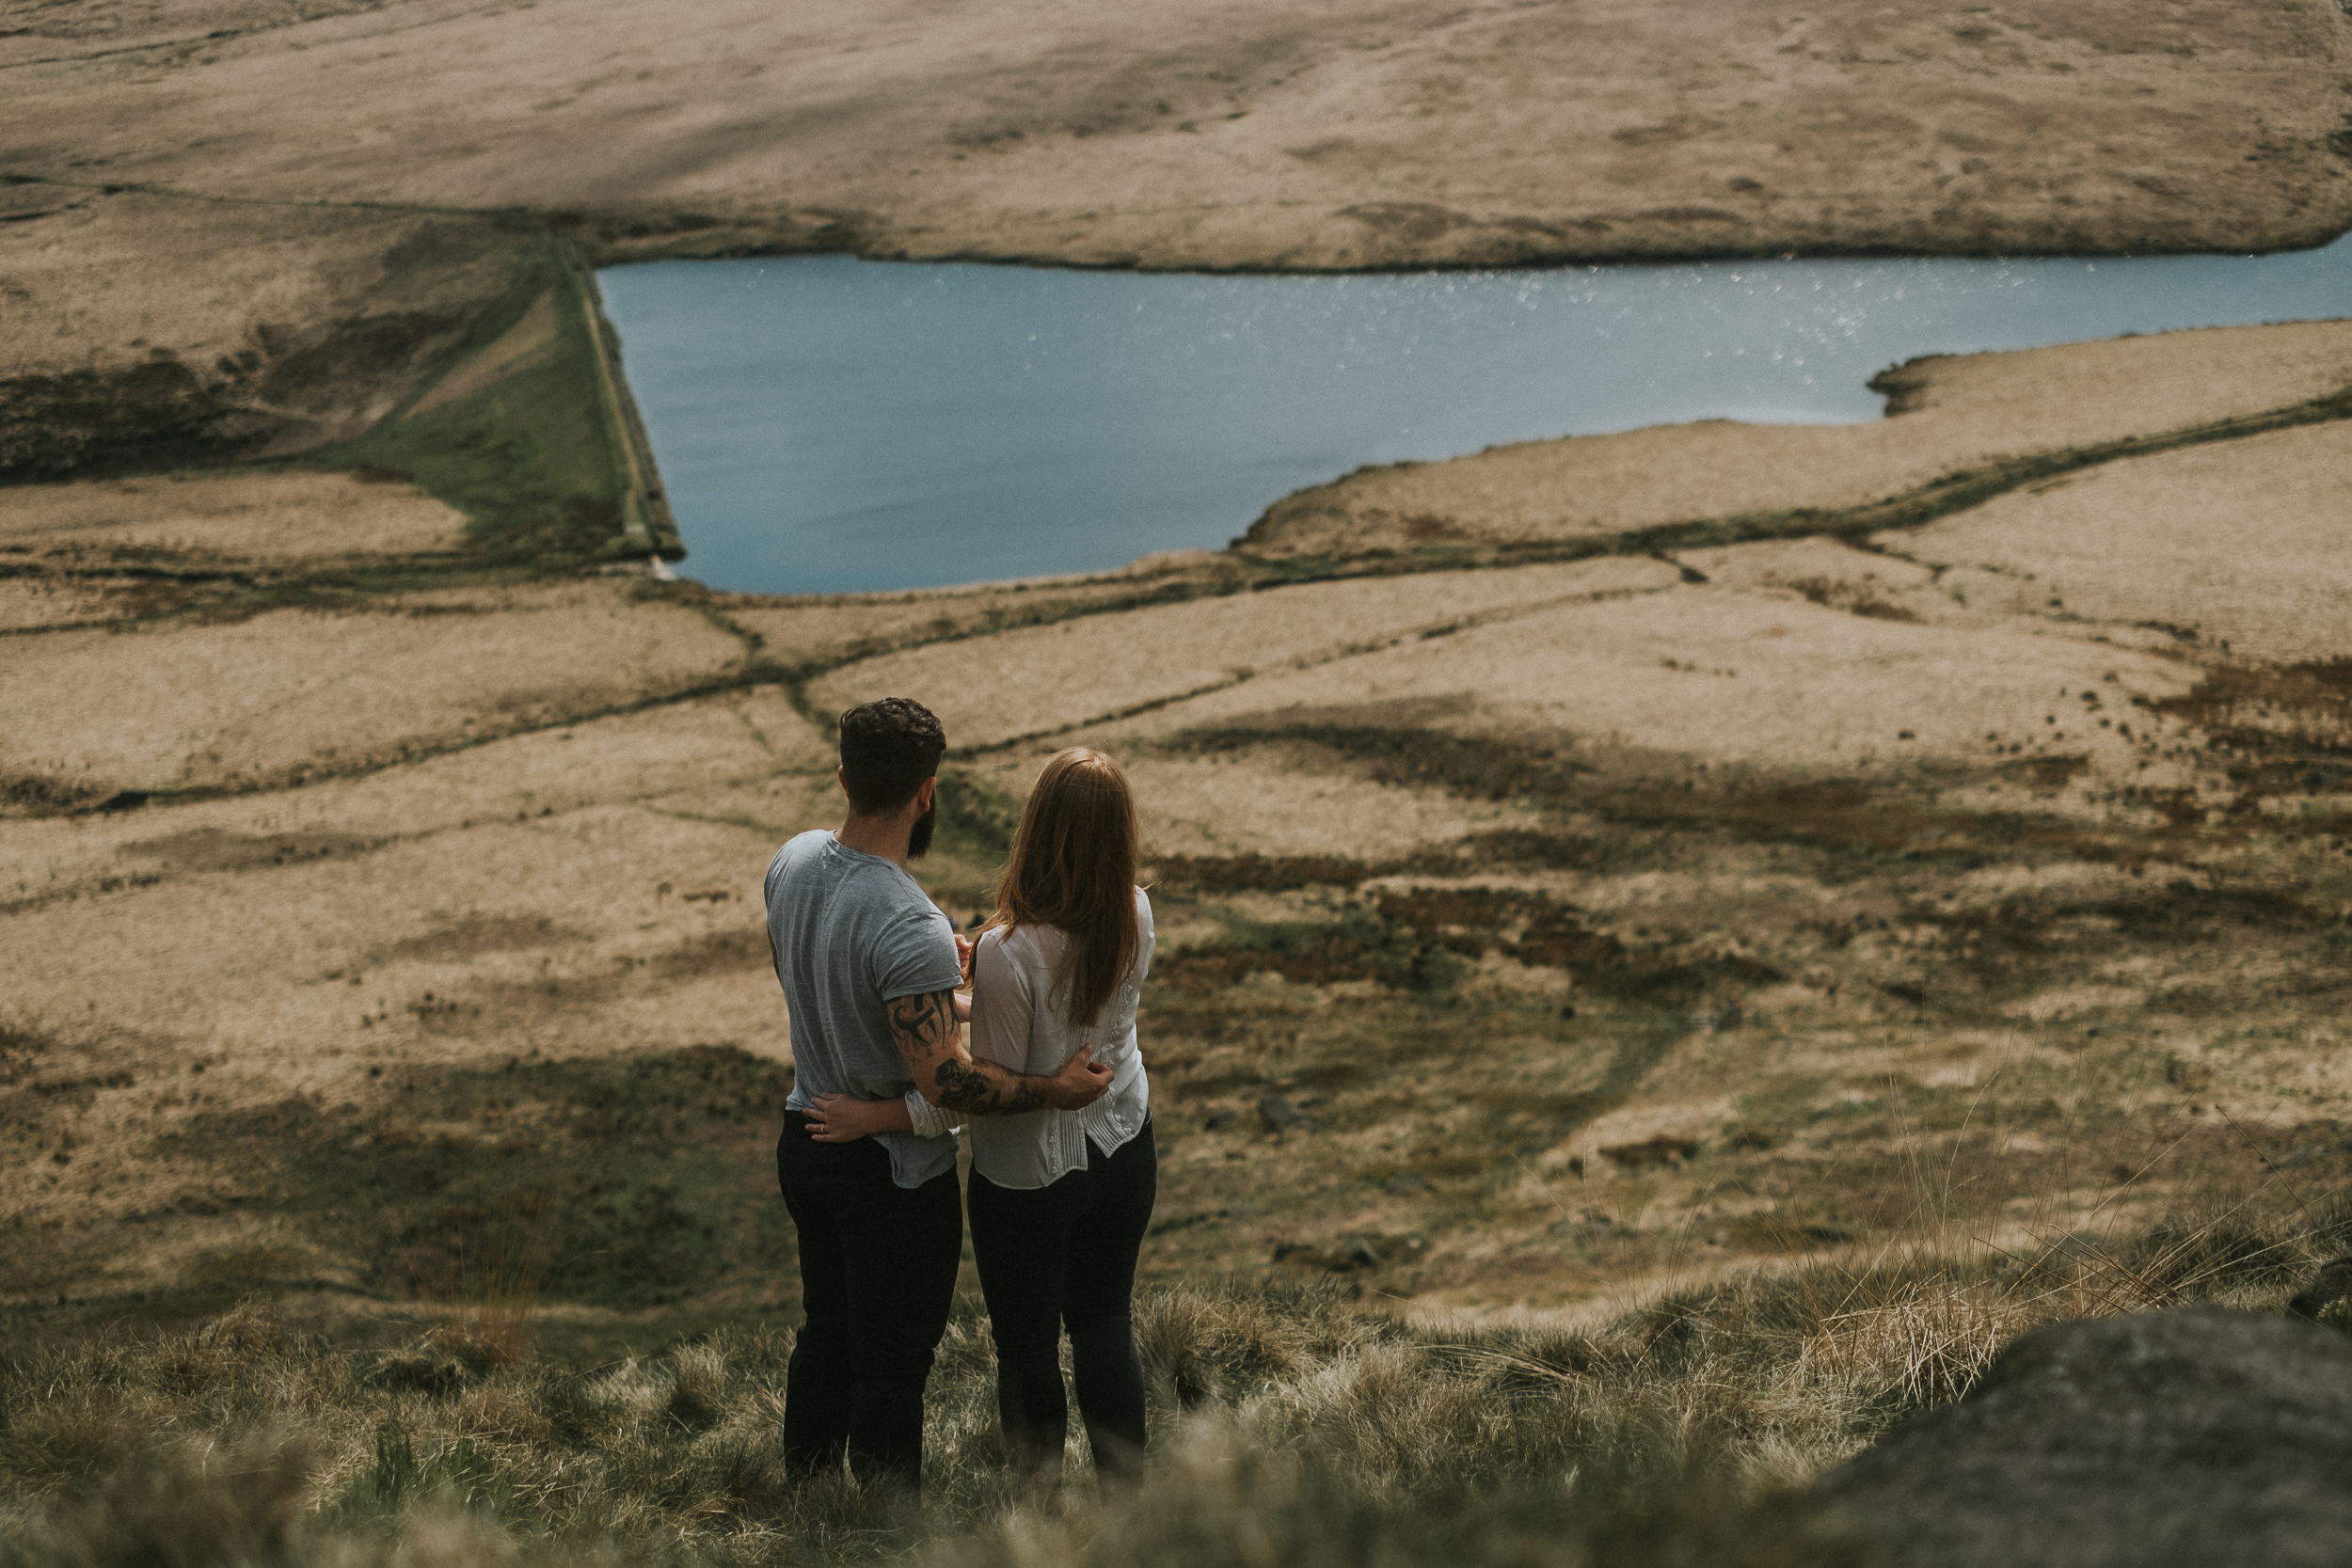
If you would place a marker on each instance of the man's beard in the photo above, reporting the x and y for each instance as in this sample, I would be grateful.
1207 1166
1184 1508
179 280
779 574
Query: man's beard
919 840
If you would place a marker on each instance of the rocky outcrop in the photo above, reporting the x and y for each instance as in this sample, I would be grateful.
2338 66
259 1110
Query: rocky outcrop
2189 1437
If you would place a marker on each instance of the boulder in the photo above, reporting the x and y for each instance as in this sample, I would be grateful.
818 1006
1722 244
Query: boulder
2186 1437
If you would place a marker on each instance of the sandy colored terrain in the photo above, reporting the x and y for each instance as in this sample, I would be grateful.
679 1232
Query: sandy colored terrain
102 276
2245 542
1045 679
1212 133
574 891
1952 411
30 603
233 518
1873 800
676 750
1585 871
524 343
1714 674
1269 806
819 633
278 696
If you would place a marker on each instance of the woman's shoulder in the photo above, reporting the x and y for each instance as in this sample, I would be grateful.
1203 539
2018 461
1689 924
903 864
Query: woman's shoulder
1031 944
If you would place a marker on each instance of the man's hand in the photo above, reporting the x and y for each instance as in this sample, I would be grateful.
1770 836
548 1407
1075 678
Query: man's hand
1082 1080
924 1029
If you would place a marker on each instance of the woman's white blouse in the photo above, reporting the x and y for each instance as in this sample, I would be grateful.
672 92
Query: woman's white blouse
1016 1025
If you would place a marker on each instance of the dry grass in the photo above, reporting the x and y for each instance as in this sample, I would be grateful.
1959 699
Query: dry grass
1713 675
1280 142
277 698
1265 803
1046 679
2240 543
1608 1097
1290 1426
582 892
1825 572
29 602
1963 410
684 752
815 634
527 341
277 519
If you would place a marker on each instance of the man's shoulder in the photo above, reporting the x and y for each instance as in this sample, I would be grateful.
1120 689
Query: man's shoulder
851 885
790 856
801 846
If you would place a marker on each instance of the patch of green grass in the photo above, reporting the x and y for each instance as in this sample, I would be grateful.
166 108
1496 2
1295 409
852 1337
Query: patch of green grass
459 1475
537 460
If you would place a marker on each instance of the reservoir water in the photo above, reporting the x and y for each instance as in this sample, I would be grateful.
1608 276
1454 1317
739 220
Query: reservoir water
825 424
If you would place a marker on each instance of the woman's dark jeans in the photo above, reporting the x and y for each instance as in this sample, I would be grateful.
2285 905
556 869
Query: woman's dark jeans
1065 1255
878 1276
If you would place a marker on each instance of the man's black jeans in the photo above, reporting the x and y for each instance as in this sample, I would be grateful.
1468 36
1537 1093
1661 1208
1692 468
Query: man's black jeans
1065 1254
878 1276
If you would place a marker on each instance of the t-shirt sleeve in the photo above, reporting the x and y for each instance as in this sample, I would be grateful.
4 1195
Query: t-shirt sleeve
1001 1007
916 956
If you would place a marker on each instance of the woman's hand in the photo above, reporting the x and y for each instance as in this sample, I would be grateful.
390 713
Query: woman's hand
844 1118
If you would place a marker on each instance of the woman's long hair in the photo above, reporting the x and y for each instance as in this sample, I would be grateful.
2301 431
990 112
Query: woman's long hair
1073 868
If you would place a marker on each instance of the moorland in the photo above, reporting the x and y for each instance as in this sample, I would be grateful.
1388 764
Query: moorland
1677 945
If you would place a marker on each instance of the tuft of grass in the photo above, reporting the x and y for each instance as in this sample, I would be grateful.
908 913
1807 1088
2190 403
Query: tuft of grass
1292 1423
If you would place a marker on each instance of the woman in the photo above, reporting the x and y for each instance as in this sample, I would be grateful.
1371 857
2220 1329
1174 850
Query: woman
1059 1200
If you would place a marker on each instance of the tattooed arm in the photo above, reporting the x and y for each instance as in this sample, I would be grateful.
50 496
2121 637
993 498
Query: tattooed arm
926 1032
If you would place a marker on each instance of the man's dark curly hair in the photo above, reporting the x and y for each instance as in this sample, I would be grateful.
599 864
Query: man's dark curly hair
887 750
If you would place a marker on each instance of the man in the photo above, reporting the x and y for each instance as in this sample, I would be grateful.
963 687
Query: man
869 969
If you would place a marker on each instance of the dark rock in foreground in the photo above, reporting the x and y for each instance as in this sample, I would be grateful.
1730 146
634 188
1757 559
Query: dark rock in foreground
2162 1438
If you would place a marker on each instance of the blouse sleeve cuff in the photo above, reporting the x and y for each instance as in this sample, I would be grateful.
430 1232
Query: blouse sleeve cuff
928 1120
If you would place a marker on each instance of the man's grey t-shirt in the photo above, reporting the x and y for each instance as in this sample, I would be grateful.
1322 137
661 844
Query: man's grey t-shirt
852 932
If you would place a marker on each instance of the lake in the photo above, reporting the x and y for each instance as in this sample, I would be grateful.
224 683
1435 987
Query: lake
826 424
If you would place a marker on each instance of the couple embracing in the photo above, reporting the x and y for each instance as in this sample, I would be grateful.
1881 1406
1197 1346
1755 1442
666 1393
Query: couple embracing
1052 1092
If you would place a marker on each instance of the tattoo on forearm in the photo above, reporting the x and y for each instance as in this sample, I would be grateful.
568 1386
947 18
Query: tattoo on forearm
985 1090
924 1028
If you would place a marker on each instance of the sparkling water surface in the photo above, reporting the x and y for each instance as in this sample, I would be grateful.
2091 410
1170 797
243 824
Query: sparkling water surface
825 424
